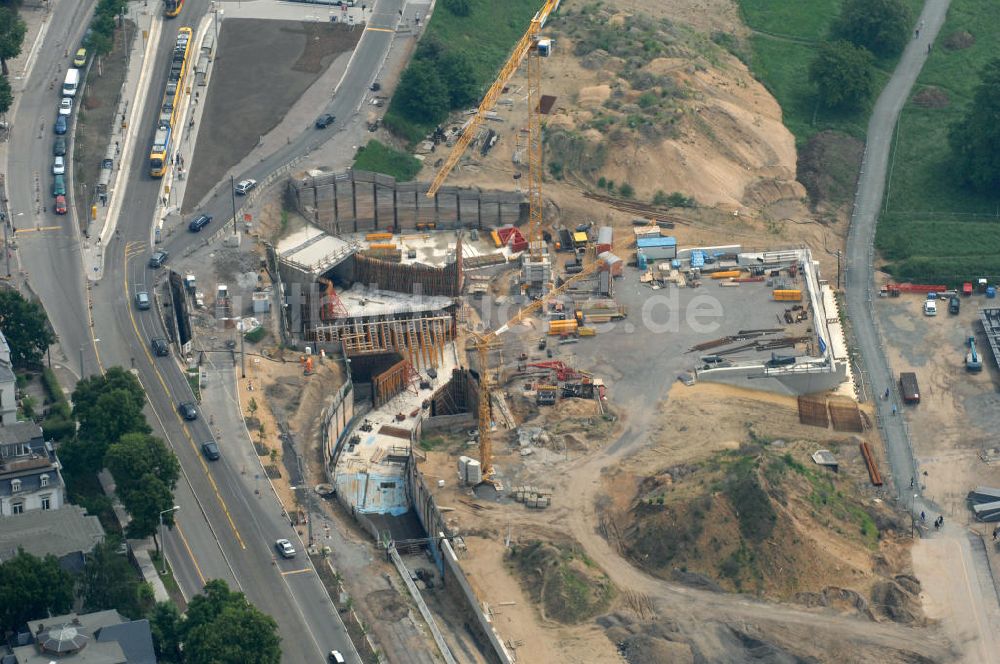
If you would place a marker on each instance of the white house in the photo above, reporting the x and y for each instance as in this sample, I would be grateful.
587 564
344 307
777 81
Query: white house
29 471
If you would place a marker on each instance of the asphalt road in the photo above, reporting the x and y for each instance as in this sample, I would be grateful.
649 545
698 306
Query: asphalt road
365 62
225 529
860 278
49 244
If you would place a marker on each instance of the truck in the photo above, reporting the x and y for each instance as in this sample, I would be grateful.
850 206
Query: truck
908 387
71 83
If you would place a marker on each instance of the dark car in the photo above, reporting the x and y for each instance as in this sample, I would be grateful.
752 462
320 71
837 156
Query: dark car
210 450
187 410
199 222
954 305
324 121
59 147
158 258
142 300
59 185
160 346
61 126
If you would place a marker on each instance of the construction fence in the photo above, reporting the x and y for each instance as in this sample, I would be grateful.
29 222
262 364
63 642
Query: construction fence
361 201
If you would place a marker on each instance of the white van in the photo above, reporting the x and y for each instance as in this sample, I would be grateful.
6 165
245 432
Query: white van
930 308
71 83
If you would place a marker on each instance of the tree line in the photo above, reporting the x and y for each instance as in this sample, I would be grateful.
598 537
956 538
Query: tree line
843 72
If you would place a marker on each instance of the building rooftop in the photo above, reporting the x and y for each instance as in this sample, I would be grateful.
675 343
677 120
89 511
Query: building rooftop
315 250
103 637
40 532
20 432
656 242
363 301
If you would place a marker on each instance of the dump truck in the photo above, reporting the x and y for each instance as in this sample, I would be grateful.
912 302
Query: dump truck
908 387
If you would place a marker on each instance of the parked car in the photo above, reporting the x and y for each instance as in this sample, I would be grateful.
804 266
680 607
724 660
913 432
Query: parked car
930 308
58 166
187 410
210 450
158 258
243 186
285 548
81 57
66 106
142 300
61 125
199 222
160 346
324 121
60 206
59 146
954 305
59 186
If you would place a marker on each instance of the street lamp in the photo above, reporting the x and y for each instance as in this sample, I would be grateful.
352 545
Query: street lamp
163 553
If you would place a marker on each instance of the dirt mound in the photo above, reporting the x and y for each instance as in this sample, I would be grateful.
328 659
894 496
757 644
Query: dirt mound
932 97
893 600
566 585
387 605
645 649
959 40
766 521
828 168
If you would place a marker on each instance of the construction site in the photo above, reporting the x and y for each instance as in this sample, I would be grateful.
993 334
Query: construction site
573 422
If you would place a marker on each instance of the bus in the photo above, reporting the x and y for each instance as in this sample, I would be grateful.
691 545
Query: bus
159 154
172 8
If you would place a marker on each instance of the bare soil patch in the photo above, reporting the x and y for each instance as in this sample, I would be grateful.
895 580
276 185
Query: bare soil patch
262 68
828 168
932 97
94 118
959 40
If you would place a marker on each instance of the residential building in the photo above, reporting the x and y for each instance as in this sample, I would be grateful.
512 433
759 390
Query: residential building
8 385
29 471
103 637
69 534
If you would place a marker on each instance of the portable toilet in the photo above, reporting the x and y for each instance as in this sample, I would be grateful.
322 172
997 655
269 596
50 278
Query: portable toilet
641 260
991 291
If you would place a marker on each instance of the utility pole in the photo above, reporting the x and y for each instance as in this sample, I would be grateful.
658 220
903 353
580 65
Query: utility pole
838 269
232 191
243 352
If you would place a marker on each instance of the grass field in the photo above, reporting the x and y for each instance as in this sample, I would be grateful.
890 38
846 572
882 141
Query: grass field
933 230
484 39
381 158
784 39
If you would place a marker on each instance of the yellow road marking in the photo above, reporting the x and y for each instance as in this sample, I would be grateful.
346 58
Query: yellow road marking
187 547
38 229
379 30
296 571
187 434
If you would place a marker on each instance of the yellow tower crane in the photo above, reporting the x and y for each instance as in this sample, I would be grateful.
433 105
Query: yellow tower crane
528 46
487 341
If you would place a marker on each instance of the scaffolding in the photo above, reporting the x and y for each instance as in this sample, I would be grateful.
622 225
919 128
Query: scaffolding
420 340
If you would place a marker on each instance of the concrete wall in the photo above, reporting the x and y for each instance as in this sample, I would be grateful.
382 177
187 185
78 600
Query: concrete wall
791 382
478 624
361 201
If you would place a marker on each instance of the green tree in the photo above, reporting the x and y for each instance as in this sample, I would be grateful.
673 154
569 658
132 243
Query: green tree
32 588
165 623
422 95
12 31
108 407
223 628
844 75
881 26
975 139
110 582
27 329
458 76
626 190
6 95
458 7
139 454
145 504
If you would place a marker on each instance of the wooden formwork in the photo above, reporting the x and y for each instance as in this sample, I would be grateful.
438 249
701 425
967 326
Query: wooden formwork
846 416
812 411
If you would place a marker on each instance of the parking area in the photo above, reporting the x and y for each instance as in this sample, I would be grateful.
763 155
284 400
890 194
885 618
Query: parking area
954 425
262 68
